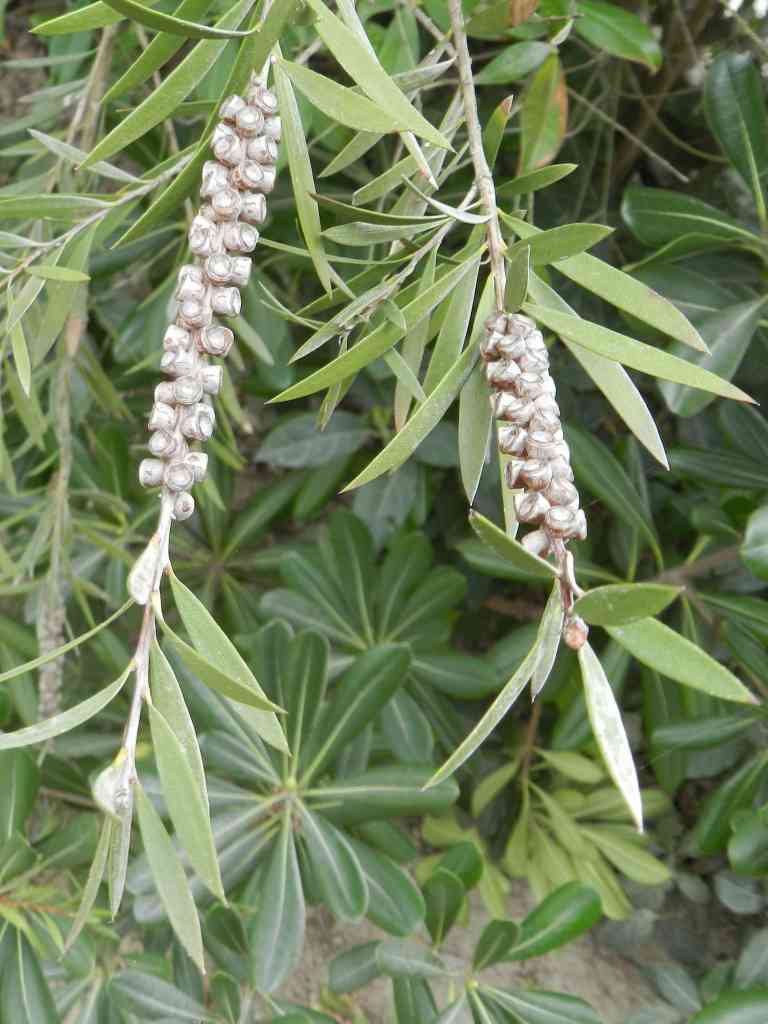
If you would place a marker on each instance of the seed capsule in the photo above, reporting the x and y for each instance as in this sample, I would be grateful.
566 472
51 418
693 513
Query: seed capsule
546 421
249 175
249 121
579 525
536 475
508 407
273 128
489 345
537 542
531 507
164 393
239 237
512 440
262 149
151 472
231 107
195 313
191 283
183 506
561 468
187 390
178 476
223 269
514 467
198 422
217 340
227 145
263 98
502 373
226 204
254 209
212 378
176 337
533 362
215 177
163 443
563 493
576 633
268 178
529 385
202 236
178 362
162 417
199 463
225 301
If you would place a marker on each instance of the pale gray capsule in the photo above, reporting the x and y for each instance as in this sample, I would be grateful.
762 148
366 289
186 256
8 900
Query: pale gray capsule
249 175
537 542
218 268
579 529
202 236
501 373
533 362
531 507
528 385
225 301
177 362
164 393
561 468
212 378
226 204
241 271
262 149
547 402
541 446
183 506
231 107
151 472
273 128
249 121
214 178
179 476
559 521
163 443
176 337
227 146
512 472
562 492
536 474
263 98
254 208
187 390
162 417
198 422
534 340
512 439
199 463
547 422
268 178
509 407
195 313
520 325
239 237
511 347
497 323
191 283
217 340
489 345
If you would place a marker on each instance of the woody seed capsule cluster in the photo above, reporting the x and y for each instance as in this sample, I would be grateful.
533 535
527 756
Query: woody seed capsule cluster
233 190
523 397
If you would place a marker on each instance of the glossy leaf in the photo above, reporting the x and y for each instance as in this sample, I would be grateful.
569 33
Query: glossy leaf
561 243
531 1007
21 780
566 913
384 792
513 63
621 603
335 867
495 942
444 898
619 32
658 216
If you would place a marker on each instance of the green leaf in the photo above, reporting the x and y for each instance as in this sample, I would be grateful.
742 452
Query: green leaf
364 689
94 880
610 377
295 442
380 339
734 100
509 549
728 332
754 547
406 959
621 290
302 179
548 639
56 206
544 116
96 15
147 997
277 932
65 720
495 942
573 766
673 656
700 733
422 421
395 902
340 103
444 898
748 847
20 352
160 22
620 603
529 1007
713 826
164 100
608 729
618 32
172 885
186 800
560 243
50 273
21 780
218 650
518 272
618 844
562 916
657 216
475 422
335 867
388 792
25 994
735 1008
406 729
491 718
532 182
752 966
513 63
363 67
453 331
353 968
457 1012
638 356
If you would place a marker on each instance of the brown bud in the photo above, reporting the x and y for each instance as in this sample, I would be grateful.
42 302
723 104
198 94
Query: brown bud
575 633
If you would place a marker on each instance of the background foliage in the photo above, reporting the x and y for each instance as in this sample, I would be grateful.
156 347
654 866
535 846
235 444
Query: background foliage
382 621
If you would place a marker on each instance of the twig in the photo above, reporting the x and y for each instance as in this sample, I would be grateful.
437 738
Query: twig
701 567
483 176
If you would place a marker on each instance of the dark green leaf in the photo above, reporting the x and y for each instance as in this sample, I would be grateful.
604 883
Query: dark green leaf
386 792
148 997
735 1008
712 827
395 904
25 995
159 22
566 913
444 898
509 549
353 968
21 780
620 603
542 1007
335 867
619 32
754 548
657 216
513 63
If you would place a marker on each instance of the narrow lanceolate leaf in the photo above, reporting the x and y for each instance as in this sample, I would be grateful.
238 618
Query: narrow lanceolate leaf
96 15
53 273
277 932
550 631
475 420
20 350
66 720
216 648
302 179
335 867
566 913
92 883
608 728
146 997
380 340
28 666
160 22
734 100
187 802
544 116
164 100
363 67
531 1007
619 603
172 885
621 33
675 657
340 103
422 421
562 242
453 331
491 718
508 549
25 996
533 181
609 376
620 289
612 345
56 206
